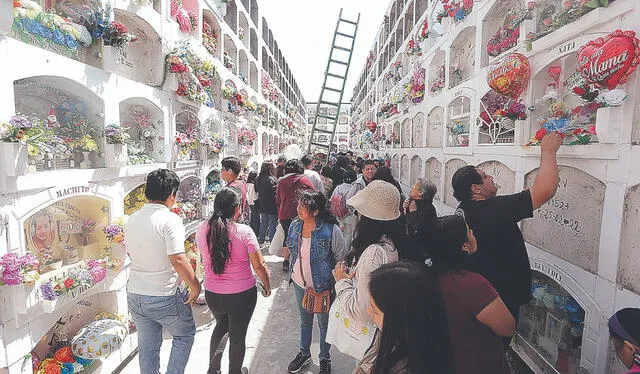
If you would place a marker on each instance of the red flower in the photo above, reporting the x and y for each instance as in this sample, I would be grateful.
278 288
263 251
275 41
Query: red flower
68 283
540 134
578 90
577 131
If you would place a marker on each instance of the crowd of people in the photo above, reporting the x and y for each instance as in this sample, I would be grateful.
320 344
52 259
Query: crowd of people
390 283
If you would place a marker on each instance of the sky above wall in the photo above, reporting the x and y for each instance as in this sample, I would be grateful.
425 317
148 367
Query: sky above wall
304 30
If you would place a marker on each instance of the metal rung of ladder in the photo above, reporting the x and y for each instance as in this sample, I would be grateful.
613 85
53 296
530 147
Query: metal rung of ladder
341 48
345 35
335 76
319 128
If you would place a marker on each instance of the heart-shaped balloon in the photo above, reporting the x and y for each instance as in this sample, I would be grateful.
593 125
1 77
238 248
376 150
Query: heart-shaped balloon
510 76
608 62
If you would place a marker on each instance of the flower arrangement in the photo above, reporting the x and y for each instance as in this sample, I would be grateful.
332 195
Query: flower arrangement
195 75
117 35
115 230
209 38
423 33
458 10
503 40
214 141
19 269
370 59
116 134
550 17
86 144
241 34
413 48
62 362
85 274
34 25
228 61
35 133
186 143
134 200
437 84
246 136
187 210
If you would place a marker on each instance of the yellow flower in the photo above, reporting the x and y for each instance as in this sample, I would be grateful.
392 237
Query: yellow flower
32 150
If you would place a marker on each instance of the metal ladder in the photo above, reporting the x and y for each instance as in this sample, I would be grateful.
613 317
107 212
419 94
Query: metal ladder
335 78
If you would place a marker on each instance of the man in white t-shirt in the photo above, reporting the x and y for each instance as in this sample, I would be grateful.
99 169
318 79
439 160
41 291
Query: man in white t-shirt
312 174
155 241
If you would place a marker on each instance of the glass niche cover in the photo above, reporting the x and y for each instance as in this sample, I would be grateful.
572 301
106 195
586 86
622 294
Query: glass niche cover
552 323
68 231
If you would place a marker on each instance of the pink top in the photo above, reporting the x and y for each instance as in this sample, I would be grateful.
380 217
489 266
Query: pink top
305 256
237 276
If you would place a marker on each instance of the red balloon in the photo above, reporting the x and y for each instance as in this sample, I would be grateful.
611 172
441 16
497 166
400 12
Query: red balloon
608 62
510 76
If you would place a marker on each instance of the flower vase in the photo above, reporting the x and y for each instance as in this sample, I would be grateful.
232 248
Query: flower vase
608 124
86 163
13 158
116 155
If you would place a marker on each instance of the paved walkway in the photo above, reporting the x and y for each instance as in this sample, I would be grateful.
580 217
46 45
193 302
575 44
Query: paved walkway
272 339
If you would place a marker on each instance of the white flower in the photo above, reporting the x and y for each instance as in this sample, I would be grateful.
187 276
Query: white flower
612 98
5 130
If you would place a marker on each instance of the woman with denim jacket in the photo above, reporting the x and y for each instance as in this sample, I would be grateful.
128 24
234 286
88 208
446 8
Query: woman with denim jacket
315 244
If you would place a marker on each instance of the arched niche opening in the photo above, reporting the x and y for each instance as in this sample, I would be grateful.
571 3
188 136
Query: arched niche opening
418 131
552 324
68 231
230 55
244 67
503 177
551 15
437 75
231 18
253 76
134 200
565 226
459 122
192 8
253 43
211 33
189 200
216 91
404 169
492 127
450 167
501 29
395 166
141 60
265 31
188 130
406 133
265 144
435 121
247 6
416 170
272 144
265 60
432 172
74 112
254 12
213 184
232 135
243 30
145 124
462 57
552 87
395 135
628 275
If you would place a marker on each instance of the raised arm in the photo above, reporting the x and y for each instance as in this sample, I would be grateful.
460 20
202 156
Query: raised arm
546 182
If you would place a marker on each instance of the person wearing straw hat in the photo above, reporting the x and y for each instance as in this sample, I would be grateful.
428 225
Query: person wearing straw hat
376 237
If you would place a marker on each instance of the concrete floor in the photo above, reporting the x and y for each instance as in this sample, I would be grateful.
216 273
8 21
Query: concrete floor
272 339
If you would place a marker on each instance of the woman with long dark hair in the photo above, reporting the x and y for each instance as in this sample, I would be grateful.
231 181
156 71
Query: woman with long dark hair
315 245
265 185
375 241
229 251
407 308
477 317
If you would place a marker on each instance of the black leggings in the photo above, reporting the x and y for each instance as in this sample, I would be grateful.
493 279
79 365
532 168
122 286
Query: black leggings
232 313
286 223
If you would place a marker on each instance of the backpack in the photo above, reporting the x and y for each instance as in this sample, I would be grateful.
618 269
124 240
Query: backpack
339 202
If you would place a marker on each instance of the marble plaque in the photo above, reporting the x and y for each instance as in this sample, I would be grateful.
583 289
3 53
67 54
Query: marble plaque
568 225
503 177
406 133
416 169
628 274
434 127
449 169
418 131
404 169
433 169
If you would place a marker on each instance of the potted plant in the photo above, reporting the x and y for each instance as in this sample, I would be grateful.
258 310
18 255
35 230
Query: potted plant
115 151
21 138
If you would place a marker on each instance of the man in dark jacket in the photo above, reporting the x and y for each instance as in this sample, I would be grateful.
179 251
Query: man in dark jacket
287 193
419 211
265 186
280 166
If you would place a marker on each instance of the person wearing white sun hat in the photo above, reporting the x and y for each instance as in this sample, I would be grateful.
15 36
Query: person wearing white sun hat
378 239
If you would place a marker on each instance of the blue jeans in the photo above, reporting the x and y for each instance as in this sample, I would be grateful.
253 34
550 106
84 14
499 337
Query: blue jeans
306 327
151 314
268 224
